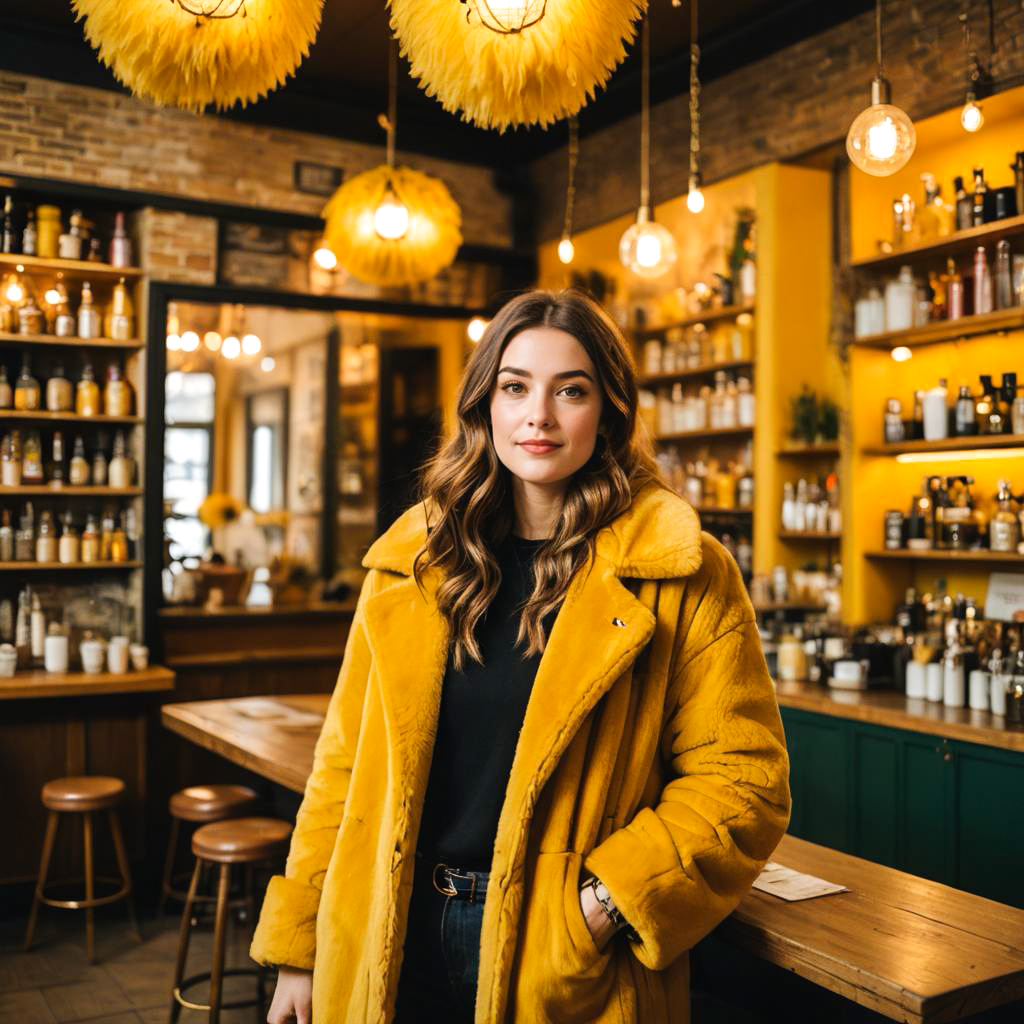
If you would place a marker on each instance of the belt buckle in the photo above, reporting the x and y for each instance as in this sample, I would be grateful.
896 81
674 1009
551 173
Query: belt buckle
450 890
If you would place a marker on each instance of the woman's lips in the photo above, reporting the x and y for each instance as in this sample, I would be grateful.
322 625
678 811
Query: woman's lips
539 447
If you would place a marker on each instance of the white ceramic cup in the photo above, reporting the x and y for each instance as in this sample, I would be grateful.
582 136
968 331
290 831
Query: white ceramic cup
934 680
55 653
117 655
849 674
917 676
92 653
978 690
997 694
8 659
140 657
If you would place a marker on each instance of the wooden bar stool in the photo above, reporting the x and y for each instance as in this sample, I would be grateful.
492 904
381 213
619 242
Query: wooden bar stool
201 805
83 795
246 841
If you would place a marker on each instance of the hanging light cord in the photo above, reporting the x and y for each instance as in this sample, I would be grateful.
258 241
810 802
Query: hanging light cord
388 120
694 96
570 188
878 36
645 114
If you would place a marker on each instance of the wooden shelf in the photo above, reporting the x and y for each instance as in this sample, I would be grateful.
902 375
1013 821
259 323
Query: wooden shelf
704 370
707 435
948 330
808 535
977 442
980 557
59 566
45 416
706 317
7 337
37 683
79 269
714 510
809 451
47 490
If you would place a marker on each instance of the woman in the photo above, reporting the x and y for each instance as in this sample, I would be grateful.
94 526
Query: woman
555 675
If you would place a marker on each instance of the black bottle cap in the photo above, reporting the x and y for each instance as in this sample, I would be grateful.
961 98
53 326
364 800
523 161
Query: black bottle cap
986 382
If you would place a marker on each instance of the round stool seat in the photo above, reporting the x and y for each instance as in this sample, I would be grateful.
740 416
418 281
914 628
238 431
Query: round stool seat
241 840
212 803
82 793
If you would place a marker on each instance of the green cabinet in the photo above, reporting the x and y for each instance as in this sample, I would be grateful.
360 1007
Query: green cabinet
945 810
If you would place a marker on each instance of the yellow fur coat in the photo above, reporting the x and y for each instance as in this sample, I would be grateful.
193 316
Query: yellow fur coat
652 753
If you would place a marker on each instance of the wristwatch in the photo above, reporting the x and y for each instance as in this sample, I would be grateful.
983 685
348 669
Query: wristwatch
605 898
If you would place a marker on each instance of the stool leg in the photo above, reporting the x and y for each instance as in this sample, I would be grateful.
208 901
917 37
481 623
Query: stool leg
219 937
125 869
90 889
44 869
183 937
172 848
250 902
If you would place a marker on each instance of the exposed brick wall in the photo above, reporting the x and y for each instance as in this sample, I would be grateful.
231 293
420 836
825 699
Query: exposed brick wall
54 130
177 246
787 105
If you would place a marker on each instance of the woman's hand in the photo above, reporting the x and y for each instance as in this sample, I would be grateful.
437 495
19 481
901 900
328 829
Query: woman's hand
293 997
602 929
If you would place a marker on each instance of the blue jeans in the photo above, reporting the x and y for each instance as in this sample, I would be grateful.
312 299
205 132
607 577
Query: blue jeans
441 960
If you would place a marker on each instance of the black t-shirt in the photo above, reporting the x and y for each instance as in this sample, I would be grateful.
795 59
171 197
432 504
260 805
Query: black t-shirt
481 715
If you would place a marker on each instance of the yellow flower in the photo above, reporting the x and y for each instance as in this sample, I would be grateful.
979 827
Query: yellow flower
176 59
219 509
541 75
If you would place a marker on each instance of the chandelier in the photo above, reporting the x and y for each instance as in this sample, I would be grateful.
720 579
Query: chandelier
506 16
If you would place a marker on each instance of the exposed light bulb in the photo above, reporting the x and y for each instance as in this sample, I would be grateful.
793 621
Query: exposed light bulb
646 247
391 218
695 200
507 16
212 340
173 343
53 297
15 291
267 364
901 354
251 345
231 348
475 328
189 341
971 116
323 256
882 138
566 250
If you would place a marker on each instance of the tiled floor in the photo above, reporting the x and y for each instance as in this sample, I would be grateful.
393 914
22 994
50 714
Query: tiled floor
129 984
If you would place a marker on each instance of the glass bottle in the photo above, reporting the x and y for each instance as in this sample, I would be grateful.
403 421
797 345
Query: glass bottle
88 315
48 227
927 228
900 298
46 538
979 200
87 394
917 420
954 291
99 468
966 423
118 542
1005 397
964 204
6 537
1017 413
1018 180
30 236
982 282
893 424
90 546
25 538
32 459
747 402
983 405
69 245
64 325
120 254
730 405
78 471
1003 280
6 391
26 388
117 396
7 225
121 471
57 465
106 535
70 549
120 317
10 458
58 391
1004 529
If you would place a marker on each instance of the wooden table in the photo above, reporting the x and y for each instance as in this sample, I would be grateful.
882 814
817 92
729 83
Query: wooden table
907 948
37 683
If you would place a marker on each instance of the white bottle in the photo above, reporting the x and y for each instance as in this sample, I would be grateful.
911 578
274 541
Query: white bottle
934 682
900 300
748 403
953 682
936 412
38 629
788 506
678 410
800 507
876 312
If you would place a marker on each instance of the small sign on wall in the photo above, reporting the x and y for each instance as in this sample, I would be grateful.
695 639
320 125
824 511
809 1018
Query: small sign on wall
1005 599
317 179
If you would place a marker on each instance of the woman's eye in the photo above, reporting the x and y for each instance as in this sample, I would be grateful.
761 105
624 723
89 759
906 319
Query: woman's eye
573 391
513 387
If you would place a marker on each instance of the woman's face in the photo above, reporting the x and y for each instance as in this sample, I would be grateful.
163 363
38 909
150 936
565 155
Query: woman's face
545 406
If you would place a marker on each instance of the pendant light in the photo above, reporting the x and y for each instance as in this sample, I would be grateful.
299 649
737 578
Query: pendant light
882 138
971 117
507 16
694 196
566 250
646 248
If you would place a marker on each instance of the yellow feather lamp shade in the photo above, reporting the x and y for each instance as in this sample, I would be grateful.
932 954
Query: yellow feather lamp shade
539 75
428 244
165 53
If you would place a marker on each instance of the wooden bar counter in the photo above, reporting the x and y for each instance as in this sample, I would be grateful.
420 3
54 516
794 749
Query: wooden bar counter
902 946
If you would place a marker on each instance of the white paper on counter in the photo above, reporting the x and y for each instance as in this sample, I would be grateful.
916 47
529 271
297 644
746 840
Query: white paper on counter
778 880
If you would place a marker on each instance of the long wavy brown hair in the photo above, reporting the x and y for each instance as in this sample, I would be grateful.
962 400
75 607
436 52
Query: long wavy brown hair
468 491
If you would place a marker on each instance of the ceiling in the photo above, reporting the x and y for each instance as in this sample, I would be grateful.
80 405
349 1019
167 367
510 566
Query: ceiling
340 88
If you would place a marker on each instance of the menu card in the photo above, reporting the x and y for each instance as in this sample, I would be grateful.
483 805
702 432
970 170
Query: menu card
791 885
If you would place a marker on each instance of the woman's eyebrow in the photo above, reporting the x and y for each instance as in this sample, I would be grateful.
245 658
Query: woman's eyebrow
558 376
